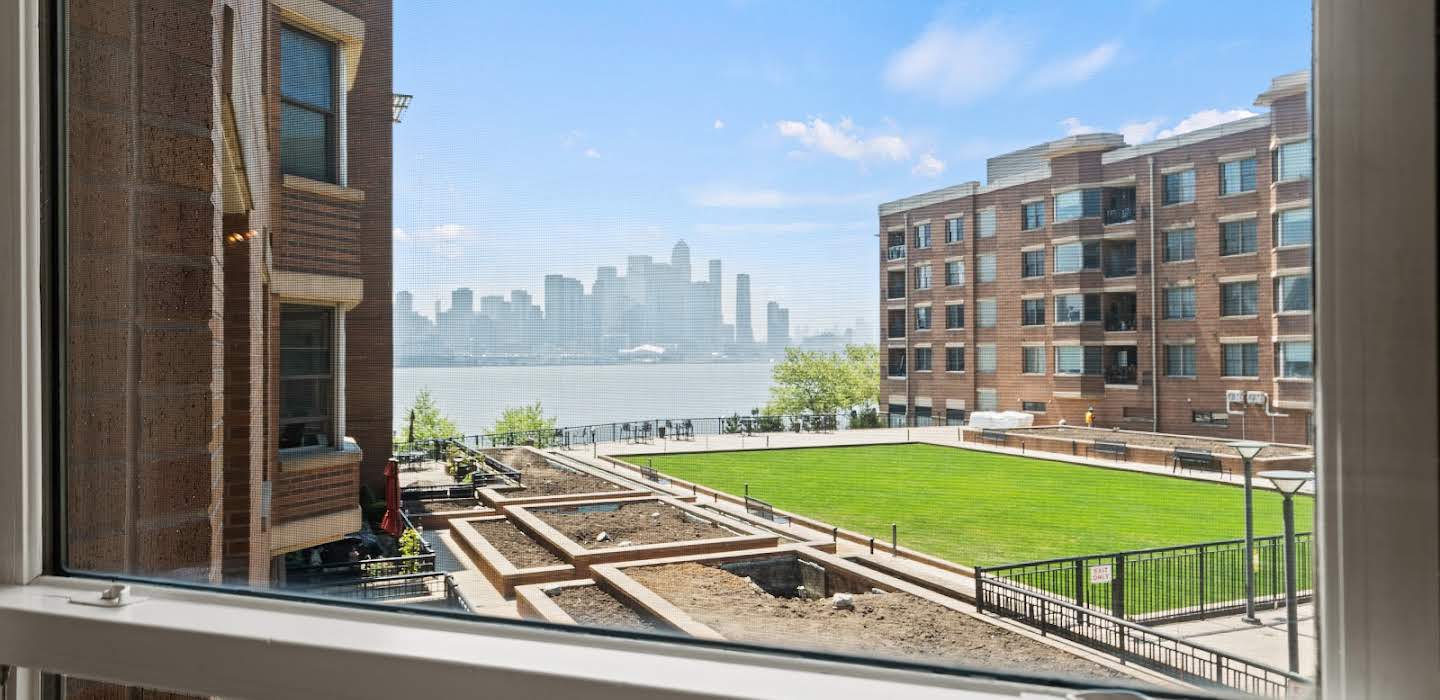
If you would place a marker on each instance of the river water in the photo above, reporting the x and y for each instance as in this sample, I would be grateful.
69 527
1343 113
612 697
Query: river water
474 397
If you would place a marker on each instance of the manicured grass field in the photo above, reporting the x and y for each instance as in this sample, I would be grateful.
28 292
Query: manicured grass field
981 508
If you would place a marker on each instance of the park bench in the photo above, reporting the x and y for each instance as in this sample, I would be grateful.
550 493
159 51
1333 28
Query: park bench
1118 450
995 436
648 472
1192 459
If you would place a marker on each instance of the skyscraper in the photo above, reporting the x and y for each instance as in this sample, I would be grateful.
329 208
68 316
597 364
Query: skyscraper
777 326
744 334
462 300
404 302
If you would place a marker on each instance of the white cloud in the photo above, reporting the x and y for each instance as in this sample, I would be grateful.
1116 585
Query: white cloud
928 166
1203 120
1140 132
1074 127
1075 69
956 65
591 153
783 227
399 234
721 196
444 234
844 140
719 124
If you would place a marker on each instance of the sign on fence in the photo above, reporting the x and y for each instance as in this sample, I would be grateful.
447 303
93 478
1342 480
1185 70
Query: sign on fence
1102 573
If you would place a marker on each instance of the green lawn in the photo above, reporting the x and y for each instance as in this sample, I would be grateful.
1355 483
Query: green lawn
983 509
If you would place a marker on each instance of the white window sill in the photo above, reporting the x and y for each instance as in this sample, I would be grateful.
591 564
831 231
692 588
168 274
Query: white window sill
1291 246
1288 180
1305 312
308 650
1233 195
1178 262
1240 378
1176 204
1246 254
1240 317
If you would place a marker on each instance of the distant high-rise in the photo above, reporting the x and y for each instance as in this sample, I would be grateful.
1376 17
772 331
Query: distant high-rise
744 334
462 300
404 302
777 326
680 260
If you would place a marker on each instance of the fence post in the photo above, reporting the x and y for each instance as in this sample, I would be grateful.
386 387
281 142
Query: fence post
1080 587
1117 588
1202 581
872 545
835 535
894 539
979 590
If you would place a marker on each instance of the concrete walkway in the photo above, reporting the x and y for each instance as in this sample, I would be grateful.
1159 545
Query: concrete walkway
1266 643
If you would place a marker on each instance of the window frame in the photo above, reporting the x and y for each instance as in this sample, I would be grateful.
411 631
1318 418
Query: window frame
1187 250
1252 239
1188 189
985 262
334 117
1386 518
333 380
959 269
1026 271
954 230
1239 163
1028 315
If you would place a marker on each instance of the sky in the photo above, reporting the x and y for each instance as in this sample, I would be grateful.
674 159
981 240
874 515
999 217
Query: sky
558 137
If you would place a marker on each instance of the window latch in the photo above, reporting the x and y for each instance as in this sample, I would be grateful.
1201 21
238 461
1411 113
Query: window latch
114 596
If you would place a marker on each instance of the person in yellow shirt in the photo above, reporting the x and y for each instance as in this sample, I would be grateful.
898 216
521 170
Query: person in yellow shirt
1090 417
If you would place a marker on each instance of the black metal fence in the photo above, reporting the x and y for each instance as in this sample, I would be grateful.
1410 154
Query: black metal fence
759 508
1136 644
1164 584
398 586
484 470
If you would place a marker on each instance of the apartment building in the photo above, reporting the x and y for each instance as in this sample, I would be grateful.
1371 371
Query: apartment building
1166 284
229 318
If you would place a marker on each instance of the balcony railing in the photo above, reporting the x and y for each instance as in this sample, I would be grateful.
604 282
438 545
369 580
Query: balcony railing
1124 374
895 252
1119 215
896 293
1120 267
1120 322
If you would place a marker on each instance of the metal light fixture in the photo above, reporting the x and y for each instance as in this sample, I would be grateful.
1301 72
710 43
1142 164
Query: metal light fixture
1248 450
401 103
1289 483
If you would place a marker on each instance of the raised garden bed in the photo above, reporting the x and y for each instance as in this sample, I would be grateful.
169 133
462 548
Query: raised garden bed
507 556
593 607
543 481
759 601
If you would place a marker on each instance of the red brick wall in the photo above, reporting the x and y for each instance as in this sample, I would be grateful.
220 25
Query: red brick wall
302 494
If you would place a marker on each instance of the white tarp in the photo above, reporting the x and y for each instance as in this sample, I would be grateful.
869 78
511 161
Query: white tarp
1001 420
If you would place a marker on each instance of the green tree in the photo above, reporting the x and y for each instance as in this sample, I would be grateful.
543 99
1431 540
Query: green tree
526 419
427 421
825 383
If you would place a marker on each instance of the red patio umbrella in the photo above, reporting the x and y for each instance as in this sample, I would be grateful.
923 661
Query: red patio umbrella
391 523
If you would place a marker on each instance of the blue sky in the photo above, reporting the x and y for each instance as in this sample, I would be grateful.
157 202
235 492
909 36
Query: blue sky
558 137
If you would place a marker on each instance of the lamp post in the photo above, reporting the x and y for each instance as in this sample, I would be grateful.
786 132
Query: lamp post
1248 450
1289 483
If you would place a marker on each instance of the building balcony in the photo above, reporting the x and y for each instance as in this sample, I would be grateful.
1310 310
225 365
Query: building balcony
315 497
1119 215
320 228
895 293
1119 205
1118 259
895 252
1121 374
1119 311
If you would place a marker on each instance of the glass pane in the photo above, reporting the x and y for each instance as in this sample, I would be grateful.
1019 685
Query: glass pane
611 268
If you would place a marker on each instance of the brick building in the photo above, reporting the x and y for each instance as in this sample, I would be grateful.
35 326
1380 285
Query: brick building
1144 280
228 360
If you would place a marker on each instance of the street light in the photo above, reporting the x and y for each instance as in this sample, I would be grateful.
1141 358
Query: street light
1248 450
1289 483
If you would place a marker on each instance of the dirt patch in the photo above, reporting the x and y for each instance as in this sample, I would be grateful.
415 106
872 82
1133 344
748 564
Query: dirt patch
444 506
1138 439
544 479
516 458
515 545
593 607
881 624
646 522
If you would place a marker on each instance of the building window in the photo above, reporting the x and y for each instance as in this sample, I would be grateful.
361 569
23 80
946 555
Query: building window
986 400
1237 176
1179 360
986 271
1076 204
1180 245
1219 419
309 95
1237 237
1032 263
896 248
954 230
985 358
1239 299
954 359
922 318
1292 161
1032 312
1077 308
1178 188
954 316
986 313
896 412
1069 359
1292 227
922 416
897 363
954 416
307 376
987 224
922 236
1180 303
896 326
1293 359
1032 359
1292 293
1074 257
1032 406
895 281
922 276
954 273
922 359
1240 359
1032 215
